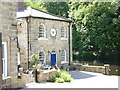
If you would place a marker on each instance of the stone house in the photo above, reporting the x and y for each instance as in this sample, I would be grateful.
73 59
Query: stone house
8 29
44 34
32 32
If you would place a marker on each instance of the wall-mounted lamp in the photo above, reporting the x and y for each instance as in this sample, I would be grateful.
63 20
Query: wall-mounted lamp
48 52
59 50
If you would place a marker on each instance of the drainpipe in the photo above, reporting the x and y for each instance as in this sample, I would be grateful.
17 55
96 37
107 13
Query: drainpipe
69 44
0 61
28 28
18 50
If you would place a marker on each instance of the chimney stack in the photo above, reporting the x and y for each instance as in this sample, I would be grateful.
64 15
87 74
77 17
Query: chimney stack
20 5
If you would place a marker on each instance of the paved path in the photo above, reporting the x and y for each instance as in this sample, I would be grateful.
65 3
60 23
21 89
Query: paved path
82 79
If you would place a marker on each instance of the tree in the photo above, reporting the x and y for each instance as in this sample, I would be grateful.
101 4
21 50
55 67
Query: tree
98 27
35 58
36 4
57 8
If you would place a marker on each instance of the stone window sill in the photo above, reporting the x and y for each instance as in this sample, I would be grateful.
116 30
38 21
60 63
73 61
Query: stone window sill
42 39
64 38
8 77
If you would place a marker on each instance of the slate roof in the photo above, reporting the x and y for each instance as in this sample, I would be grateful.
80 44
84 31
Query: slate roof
26 12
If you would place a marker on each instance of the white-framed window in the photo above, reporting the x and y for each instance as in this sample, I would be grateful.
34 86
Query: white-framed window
63 55
42 57
4 60
42 31
63 32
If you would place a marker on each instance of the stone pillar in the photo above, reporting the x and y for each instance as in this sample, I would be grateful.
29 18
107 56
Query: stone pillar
107 67
20 5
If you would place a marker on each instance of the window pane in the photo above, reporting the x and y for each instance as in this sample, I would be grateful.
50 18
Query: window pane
3 56
63 32
41 59
41 56
41 31
63 55
4 60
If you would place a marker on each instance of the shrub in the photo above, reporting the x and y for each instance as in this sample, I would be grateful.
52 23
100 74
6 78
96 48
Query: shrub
59 80
66 76
63 76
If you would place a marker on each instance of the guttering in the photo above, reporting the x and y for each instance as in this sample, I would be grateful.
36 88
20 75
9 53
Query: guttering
45 18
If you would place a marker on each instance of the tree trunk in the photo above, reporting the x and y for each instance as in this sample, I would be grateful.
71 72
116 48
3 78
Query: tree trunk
36 79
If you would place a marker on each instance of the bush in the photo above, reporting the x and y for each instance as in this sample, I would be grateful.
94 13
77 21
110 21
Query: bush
63 76
59 80
66 76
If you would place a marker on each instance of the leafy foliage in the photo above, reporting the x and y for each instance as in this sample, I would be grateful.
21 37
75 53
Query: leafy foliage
66 76
37 4
97 30
62 77
57 8
59 80
35 58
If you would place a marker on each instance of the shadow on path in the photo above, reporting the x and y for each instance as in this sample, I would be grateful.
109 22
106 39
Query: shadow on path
80 75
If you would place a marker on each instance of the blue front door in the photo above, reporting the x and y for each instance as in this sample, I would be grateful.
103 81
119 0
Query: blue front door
53 59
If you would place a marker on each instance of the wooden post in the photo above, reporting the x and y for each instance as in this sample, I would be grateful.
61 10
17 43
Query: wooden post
0 61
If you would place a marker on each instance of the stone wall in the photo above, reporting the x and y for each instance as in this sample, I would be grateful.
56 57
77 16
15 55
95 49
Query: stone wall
99 69
22 81
23 41
47 75
9 35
